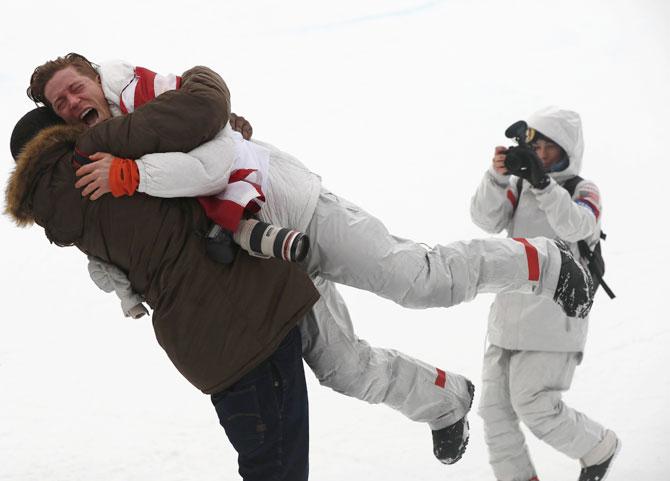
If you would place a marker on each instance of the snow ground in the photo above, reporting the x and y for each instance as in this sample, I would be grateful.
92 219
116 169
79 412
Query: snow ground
387 100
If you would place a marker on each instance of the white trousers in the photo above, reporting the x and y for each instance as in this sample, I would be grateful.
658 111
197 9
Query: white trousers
349 365
527 386
350 246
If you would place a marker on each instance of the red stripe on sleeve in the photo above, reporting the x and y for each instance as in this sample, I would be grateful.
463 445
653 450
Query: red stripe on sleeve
441 379
533 259
591 205
144 92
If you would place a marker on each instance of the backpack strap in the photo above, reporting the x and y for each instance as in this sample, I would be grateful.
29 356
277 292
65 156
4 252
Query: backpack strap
519 186
606 288
571 184
593 258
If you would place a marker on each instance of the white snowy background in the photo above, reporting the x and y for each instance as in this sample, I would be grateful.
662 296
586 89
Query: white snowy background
398 105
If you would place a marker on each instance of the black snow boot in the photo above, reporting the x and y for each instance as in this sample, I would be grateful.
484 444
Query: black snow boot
600 471
575 290
449 443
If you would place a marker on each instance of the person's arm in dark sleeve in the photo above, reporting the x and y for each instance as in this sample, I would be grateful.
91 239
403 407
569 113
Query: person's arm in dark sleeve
175 121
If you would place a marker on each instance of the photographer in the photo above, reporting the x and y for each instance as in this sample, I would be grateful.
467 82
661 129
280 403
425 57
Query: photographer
534 347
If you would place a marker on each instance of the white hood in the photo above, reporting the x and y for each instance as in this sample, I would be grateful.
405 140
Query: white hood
565 128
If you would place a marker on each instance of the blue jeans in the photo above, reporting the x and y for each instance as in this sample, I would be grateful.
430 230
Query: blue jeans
265 416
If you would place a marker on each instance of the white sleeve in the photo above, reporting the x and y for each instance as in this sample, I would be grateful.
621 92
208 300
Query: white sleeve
573 219
110 278
492 206
203 171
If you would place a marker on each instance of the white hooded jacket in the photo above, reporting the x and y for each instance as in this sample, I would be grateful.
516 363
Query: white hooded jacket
521 321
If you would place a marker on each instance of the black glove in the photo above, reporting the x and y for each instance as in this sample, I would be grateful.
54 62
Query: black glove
525 163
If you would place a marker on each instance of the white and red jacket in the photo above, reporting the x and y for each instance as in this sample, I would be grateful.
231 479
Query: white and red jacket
526 322
290 190
244 166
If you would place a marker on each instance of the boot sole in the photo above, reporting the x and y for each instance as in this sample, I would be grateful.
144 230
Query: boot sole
466 428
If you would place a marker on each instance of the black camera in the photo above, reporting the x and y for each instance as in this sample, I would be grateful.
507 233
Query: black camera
521 160
518 158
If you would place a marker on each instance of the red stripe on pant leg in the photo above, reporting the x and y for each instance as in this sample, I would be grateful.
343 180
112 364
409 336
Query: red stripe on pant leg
441 380
533 259
534 478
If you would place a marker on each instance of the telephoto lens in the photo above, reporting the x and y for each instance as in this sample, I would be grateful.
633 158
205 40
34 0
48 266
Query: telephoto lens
266 240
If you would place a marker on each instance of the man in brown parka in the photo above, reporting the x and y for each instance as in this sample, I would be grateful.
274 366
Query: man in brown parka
222 326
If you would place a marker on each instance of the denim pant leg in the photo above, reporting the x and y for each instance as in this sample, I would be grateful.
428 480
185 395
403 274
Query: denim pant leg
265 416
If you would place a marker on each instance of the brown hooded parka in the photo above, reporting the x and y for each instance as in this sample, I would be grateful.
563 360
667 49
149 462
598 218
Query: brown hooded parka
216 322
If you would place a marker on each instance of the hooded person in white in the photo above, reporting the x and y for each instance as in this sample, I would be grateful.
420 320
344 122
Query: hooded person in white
349 246
534 347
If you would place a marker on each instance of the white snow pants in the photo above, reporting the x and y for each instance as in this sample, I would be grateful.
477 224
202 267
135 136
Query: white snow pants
350 246
527 386
349 365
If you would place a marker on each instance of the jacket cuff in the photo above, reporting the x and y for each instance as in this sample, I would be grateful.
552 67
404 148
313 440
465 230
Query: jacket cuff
124 177
137 311
500 179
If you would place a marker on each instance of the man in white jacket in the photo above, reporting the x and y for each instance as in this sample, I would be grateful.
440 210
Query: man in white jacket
534 346
348 246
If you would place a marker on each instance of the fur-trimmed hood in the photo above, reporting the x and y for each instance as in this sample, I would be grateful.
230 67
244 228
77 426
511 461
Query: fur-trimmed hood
38 157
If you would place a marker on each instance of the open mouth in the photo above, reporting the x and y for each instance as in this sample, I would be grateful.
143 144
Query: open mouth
90 117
